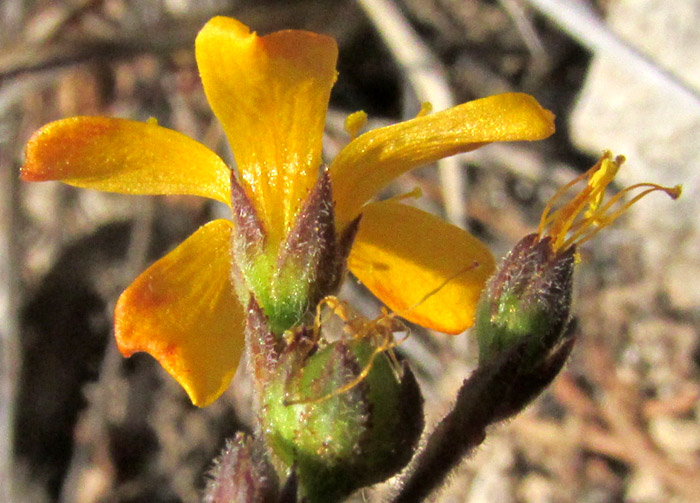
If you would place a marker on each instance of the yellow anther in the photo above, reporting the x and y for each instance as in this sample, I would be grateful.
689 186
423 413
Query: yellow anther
355 122
587 213
425 108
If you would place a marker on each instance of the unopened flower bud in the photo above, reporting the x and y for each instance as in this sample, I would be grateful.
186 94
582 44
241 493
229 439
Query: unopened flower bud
343 415
527 299
242 474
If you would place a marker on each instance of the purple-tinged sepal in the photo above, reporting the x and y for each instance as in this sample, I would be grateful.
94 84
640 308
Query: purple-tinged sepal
242 474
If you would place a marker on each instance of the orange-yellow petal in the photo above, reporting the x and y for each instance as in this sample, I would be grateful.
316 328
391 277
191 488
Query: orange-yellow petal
426 270
130 157
371 161
183 311
271 95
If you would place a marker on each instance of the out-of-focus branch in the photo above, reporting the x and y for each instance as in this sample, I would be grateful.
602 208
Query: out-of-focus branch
14 61
9 301
582 24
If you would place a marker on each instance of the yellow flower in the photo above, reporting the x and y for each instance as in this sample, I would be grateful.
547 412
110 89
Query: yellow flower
271 94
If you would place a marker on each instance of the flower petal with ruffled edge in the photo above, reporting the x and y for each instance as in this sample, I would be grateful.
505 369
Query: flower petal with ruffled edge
423 268
183 311
368 163
271 95
126 156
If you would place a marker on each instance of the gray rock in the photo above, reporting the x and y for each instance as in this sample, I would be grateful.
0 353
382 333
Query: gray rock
657 129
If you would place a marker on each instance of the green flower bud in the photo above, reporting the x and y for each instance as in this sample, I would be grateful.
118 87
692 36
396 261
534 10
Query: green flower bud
341 415
527 301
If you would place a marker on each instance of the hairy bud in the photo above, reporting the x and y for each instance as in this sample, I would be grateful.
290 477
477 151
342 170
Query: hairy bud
242 474
342 415
527 302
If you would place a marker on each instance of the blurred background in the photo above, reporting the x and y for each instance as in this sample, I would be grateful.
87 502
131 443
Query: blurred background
621 424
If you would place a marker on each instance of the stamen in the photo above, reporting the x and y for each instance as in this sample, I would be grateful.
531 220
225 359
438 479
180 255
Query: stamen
546 218
566 226
350 385
673 192
382 328
435 290
414 193
566 216
589 227
425 108
603 177
354 123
